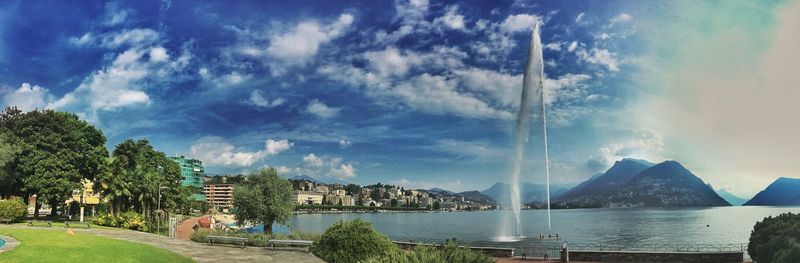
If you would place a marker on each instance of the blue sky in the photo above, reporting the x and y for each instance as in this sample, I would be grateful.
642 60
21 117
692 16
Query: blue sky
418 93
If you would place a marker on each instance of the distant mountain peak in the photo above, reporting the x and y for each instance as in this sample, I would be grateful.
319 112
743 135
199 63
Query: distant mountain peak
782 192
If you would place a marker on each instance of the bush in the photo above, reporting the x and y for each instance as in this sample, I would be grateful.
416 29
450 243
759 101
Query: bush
13 208
352 241
128 220
776 239
133 221
450 252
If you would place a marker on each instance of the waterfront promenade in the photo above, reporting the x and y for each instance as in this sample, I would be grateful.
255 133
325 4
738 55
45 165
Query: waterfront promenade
197 251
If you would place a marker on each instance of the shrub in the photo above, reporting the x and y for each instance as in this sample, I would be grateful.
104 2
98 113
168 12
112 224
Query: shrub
128 220
776 239
13 208
352 241
133 221
450 252
106 219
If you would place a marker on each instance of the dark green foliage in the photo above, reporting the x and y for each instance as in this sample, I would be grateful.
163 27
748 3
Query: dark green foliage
54 151
450 252
776 239
13 209
264 200
352 241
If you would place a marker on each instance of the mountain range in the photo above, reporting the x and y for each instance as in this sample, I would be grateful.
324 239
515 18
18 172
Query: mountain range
782 192
529 192
638 183
731 198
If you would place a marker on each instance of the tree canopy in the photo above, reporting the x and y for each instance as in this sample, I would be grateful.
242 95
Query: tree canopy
265 199
54 152
776 239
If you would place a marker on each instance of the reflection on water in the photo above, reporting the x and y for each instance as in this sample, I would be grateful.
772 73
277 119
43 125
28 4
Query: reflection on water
624 226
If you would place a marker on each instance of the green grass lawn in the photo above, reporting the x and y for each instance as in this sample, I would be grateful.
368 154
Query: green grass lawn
41 245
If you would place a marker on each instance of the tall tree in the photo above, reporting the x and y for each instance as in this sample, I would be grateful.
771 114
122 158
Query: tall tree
56 151
265 199
137 175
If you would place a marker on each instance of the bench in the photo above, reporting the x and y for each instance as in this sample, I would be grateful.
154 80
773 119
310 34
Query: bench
66 224
228 240
7 220
30 223
299 243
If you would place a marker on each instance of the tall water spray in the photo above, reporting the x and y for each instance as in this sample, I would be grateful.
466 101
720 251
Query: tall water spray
532 100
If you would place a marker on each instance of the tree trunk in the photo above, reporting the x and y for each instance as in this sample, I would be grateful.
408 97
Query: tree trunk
53 207
36 206
268 228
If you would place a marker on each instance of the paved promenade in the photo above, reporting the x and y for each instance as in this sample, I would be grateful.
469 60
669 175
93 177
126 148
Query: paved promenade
197 251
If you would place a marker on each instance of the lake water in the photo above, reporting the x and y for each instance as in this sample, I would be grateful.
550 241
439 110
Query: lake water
625 226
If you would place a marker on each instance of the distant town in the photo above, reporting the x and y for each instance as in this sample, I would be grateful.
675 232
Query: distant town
312 195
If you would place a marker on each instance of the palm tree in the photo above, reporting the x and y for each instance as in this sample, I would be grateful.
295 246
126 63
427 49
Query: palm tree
113 184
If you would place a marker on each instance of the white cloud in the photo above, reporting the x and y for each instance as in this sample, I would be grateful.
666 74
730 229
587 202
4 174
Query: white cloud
519 23
312 160
85 39
503 89
26 97
572 46
321 110
216 151
130 37
579 18
115 15
344 143
302 41
644 144
439 95
555 46
621 18
599 56
327 166
274 147
343 171
411 11
451 19
158 54
260 101
476 150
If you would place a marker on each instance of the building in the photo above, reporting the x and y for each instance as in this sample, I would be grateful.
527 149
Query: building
219 196
307 198
192 174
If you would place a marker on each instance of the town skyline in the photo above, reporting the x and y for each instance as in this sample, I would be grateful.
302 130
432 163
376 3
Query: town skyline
419 93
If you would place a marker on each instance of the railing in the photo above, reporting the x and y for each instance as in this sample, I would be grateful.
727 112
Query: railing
681 247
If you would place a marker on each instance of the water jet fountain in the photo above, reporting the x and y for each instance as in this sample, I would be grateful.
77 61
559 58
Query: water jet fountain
532 100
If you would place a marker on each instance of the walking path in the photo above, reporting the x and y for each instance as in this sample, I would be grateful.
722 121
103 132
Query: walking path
184 230
200 252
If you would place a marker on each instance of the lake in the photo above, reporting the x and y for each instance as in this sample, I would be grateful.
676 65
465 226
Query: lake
625 226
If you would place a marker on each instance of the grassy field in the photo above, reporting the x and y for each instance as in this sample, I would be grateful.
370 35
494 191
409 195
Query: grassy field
41 245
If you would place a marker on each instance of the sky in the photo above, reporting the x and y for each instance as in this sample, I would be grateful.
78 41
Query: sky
420 93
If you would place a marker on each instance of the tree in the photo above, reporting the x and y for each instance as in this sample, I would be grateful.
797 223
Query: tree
352 189
9 184
776 239
56 150
137 174
265 199
352 241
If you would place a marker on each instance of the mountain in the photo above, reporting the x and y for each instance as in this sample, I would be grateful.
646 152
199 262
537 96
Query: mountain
477 197
614 179
440 190
667 184
782 192
636 183
306 178
734 200
529 192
